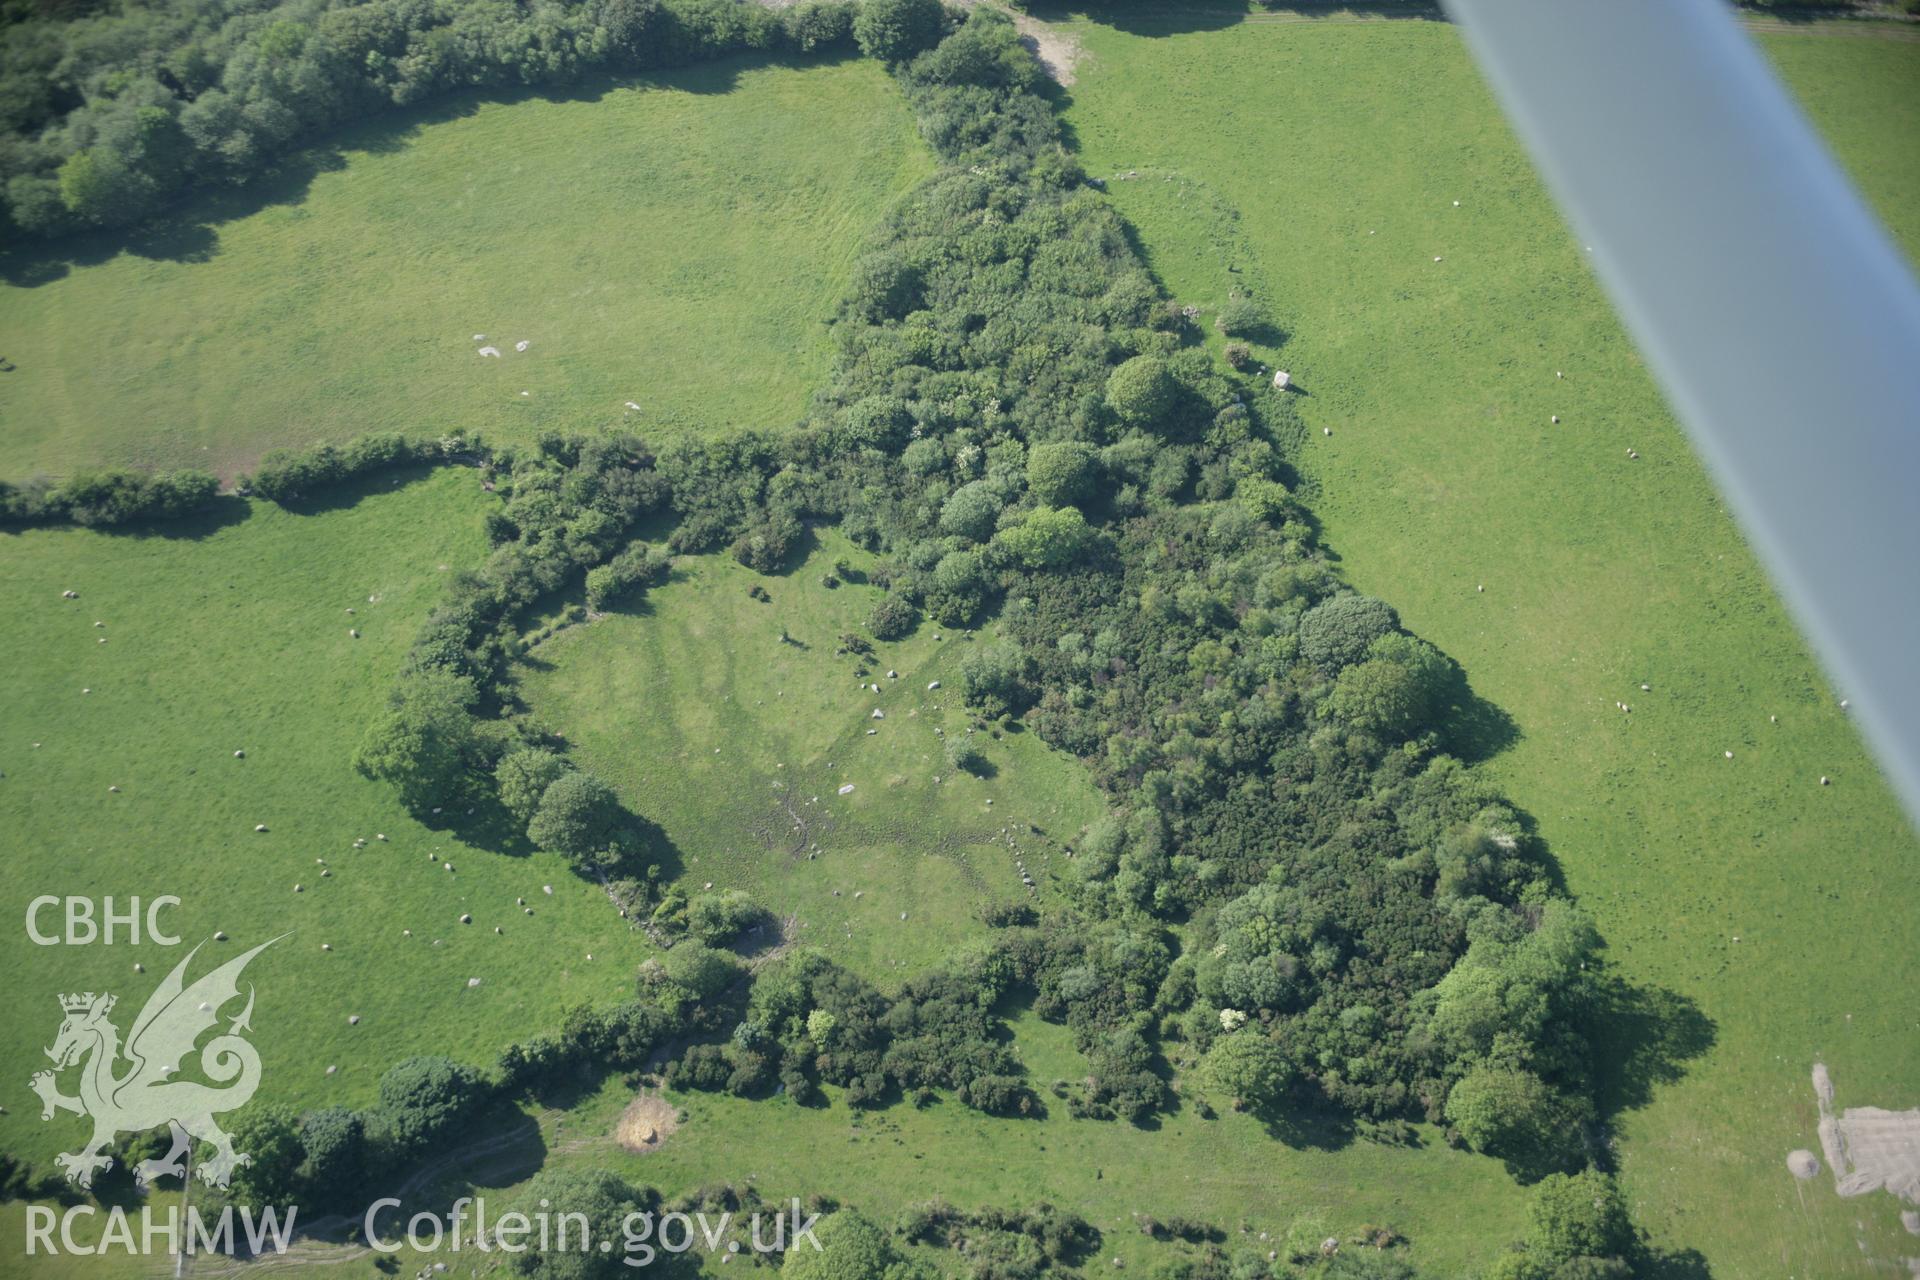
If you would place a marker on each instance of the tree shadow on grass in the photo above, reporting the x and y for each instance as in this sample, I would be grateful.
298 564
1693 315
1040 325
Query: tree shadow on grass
504 1147
1154 18
223 512
1310 1125
1476 730
350 493
1643 1036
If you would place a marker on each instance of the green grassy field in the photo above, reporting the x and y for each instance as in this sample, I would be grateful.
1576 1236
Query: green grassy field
737 744
1457 1209
1320 161
674 242
237 640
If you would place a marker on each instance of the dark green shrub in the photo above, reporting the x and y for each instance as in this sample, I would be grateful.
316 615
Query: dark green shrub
896 30
1240 316
892 618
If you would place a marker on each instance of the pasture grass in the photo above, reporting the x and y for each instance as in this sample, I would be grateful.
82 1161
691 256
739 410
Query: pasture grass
675 241
1458 1210
235 638
737 743
1321 162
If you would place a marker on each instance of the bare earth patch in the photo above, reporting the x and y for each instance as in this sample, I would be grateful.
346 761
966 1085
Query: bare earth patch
1057 51
1868 1148
647 1122
1054 49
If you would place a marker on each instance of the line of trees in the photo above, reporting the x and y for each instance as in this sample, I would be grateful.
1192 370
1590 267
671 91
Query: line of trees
108 499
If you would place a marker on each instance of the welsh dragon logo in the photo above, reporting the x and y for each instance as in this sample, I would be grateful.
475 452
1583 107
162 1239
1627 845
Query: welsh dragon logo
140 1096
